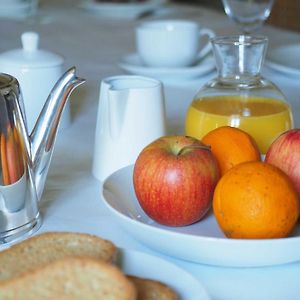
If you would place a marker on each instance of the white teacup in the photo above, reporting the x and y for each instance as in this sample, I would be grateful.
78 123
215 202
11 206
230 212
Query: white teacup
171 43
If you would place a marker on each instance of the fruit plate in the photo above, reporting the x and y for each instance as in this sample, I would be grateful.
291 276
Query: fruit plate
152 267
202 242
122 10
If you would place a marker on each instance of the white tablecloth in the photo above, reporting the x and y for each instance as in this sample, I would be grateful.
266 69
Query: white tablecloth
72 197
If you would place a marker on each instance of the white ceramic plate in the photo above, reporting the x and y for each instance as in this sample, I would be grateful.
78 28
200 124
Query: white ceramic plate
122 10
202 242
152 267
17 9
285 59
133 64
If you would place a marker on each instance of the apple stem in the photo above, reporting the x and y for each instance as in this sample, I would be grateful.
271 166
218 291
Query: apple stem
189 147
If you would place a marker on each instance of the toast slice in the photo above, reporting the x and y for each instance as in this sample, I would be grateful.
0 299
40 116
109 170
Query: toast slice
49 247
149 289
71 278
20 264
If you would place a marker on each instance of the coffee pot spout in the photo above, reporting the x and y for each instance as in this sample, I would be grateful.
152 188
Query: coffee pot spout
42 138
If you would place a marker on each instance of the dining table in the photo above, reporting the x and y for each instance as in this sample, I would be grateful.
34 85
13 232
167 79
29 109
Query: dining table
72 199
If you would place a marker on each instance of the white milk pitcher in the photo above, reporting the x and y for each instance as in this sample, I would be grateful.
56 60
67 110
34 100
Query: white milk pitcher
131 114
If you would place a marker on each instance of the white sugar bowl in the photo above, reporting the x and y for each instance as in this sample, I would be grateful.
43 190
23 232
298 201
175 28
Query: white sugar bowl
37 71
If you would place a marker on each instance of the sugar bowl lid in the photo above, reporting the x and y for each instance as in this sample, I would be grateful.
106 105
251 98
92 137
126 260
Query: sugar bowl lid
30 56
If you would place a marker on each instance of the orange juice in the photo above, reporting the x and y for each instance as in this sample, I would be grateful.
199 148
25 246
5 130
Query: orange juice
263 118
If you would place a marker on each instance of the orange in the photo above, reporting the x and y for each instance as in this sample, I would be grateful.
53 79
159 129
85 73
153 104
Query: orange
256 200
231 146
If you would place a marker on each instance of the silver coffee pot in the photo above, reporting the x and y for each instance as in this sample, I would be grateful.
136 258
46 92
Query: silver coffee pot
24 158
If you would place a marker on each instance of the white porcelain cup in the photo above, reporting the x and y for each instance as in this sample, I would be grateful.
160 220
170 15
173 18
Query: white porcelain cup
172 43
131 114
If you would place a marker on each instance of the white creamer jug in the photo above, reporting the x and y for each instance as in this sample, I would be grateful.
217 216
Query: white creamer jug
131 114
37 70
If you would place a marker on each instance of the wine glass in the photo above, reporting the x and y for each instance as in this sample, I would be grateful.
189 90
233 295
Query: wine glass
248 14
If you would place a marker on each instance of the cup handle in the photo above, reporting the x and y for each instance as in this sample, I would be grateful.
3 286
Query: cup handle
207 48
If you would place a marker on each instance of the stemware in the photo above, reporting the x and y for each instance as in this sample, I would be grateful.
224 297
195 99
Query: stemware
248 14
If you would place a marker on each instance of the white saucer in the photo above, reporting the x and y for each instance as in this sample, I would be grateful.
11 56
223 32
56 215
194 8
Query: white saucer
202 242
121 10
285 59
152 267
133 64
18 10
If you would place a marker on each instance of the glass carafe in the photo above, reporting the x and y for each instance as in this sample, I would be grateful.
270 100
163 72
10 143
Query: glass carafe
239 96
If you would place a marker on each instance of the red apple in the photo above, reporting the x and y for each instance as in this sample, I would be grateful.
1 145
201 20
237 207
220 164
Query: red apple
284 153
174 179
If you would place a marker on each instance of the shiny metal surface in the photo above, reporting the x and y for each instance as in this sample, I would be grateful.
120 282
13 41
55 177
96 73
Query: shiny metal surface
44 132
24 159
